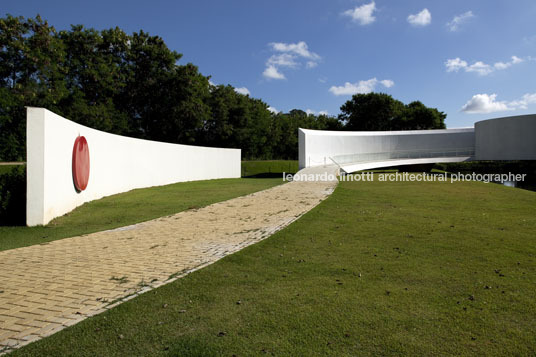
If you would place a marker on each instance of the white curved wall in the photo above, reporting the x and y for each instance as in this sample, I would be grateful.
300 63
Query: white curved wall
508 138
317 146
117 164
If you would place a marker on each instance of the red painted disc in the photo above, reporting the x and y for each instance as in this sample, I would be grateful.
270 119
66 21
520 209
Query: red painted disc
80 163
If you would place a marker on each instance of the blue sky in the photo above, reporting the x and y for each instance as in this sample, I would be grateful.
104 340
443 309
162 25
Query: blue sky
473 59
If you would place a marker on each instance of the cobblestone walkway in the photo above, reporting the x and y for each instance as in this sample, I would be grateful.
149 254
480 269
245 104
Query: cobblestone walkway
45 288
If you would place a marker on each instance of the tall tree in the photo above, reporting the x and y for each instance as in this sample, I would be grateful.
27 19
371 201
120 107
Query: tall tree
371 111
380 111
94 79
31 74
417 116
134 85
238 121
285 128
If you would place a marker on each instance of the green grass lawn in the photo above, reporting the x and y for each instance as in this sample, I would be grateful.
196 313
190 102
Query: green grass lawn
132 207
269 168
4 169
379 268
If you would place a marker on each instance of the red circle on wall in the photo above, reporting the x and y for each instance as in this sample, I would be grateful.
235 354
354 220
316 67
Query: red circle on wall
80 163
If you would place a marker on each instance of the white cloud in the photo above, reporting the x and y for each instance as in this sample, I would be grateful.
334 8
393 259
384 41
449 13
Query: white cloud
282 60
301 49
523 103
487 103
387 83
459 20
362 14
423 18
242 90
479 67
502 65
516 60
290 56
455 64
361 87
273 110
271 72
212 83
484 103
310 111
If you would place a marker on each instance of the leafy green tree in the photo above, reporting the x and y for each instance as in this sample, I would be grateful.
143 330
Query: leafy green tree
106 80
149 67
238 121
94 78
417 116
326 122
286 127
218 128
31 74
371 111
134 85
179 108
380 111
12 127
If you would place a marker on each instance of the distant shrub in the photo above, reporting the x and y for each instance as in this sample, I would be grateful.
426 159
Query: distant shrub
491 167
13 197
496 167
268 168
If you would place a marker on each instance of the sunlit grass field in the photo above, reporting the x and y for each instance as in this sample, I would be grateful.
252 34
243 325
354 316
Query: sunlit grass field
132 207
269 168
379 268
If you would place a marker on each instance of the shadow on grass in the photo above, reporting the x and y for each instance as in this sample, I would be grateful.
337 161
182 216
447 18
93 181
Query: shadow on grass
266 175
13 196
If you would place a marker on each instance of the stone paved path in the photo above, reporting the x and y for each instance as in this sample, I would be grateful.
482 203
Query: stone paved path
45 288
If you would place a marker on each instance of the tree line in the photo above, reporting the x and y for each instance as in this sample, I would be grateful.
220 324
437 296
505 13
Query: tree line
134 85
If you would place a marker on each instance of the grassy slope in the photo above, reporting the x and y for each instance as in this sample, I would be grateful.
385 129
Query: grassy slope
378 268
249 168
132 207
269 167
4 169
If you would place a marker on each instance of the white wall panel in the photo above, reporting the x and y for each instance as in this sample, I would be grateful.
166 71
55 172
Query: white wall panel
317 146
118 164
508 138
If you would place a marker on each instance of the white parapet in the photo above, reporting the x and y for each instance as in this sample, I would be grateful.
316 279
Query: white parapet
117 164
319 147
507 138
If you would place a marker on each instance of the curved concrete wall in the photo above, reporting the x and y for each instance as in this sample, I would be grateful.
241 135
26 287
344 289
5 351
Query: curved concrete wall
508 138
317 146
117 164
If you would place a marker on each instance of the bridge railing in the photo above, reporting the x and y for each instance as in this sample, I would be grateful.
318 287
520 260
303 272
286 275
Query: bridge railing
402 154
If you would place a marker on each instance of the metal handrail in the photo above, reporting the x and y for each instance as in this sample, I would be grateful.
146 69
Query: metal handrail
402 154
336 163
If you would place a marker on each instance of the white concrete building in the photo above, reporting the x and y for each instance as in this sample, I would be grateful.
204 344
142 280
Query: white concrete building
508 138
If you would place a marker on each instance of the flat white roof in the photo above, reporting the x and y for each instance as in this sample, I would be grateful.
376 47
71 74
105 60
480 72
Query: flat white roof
393 132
